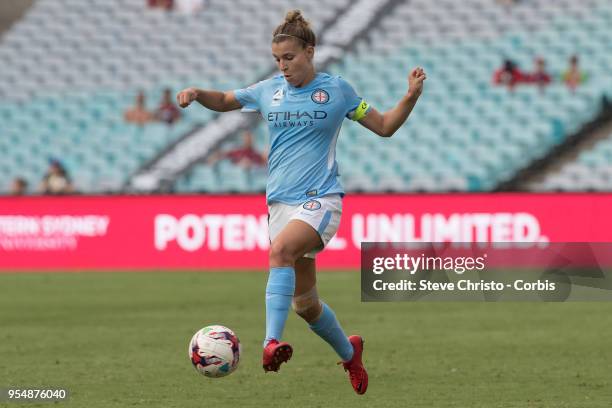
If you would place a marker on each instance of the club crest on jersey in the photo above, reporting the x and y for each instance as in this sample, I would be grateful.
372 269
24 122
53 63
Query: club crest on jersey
319 96
312 205
277 97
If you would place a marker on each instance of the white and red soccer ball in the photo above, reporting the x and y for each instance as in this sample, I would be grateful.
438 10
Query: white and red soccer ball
214 351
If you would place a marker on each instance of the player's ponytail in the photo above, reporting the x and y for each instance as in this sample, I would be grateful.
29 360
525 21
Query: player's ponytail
295 26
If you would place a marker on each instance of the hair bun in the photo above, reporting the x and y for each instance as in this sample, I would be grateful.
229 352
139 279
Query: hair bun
295 16
295 25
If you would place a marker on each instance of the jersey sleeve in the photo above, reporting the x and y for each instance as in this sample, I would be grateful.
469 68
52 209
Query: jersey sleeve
356 107
249 97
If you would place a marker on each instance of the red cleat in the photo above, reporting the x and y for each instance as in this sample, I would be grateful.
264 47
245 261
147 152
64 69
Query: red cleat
357 372
275 354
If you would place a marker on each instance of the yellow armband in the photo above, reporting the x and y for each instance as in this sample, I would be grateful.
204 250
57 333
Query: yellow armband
361 111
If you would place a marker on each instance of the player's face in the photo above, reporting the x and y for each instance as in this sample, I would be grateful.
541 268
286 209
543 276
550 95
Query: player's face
293 60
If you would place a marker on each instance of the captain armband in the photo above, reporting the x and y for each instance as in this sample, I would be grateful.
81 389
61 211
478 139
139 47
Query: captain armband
360 112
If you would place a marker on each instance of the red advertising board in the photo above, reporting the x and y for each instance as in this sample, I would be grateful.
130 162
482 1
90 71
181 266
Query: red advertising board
230 232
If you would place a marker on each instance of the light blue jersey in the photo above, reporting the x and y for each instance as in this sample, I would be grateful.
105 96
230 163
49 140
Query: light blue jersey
304 124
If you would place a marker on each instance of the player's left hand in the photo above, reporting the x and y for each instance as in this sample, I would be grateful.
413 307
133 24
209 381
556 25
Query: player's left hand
415 82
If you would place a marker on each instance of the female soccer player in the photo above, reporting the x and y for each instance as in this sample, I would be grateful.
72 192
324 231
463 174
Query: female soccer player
304 111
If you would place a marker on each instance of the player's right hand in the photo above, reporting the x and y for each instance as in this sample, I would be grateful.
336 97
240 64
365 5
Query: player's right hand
186 96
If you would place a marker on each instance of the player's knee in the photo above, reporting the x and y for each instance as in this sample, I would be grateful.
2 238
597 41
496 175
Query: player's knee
281 254
307 305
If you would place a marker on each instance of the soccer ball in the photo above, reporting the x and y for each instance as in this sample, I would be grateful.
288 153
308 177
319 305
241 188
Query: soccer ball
214 351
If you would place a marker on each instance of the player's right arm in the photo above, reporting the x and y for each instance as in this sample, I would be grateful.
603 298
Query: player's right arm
213 100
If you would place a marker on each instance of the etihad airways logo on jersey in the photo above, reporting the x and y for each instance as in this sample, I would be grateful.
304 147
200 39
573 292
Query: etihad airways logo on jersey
295 119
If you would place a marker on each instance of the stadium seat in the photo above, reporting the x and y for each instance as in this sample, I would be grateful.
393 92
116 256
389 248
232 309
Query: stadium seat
70 70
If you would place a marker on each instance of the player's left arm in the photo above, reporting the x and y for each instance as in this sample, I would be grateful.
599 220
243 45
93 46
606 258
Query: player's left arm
386 124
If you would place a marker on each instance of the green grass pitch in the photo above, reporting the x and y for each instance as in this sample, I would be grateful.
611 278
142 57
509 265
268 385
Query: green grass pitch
120 340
